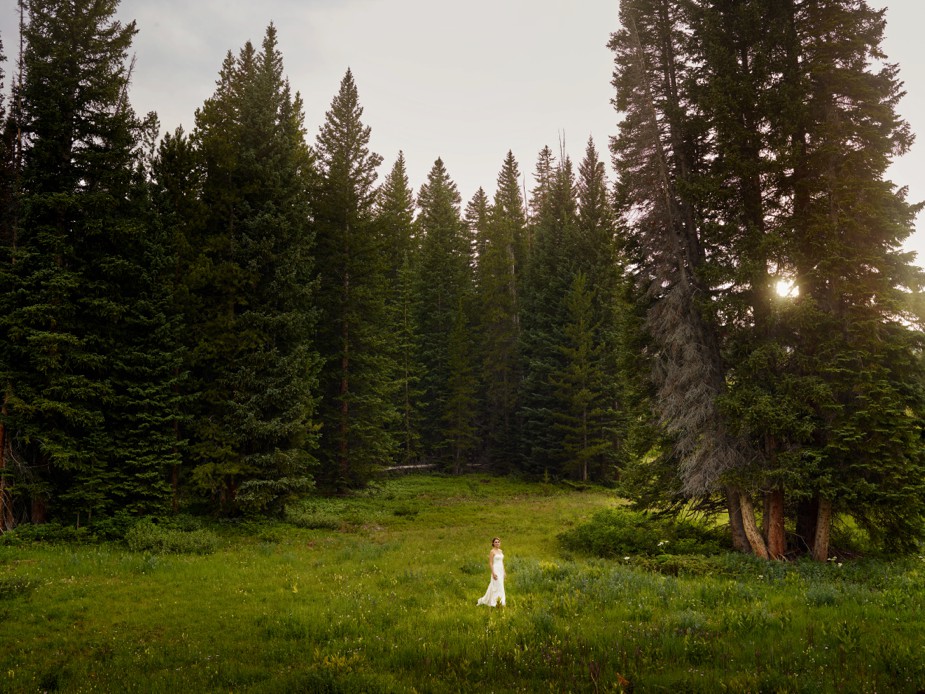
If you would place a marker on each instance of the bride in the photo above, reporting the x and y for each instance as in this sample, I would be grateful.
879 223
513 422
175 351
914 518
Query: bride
495 590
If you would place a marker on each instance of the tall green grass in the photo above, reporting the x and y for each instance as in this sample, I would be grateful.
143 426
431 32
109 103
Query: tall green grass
376 593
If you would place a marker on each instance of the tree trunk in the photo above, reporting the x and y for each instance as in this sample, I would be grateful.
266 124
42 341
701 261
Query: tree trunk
343 444
6 511
775 535
755 540
807 514
175 485
39 510
823 530
739 540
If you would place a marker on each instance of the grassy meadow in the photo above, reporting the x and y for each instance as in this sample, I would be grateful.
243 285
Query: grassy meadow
376 593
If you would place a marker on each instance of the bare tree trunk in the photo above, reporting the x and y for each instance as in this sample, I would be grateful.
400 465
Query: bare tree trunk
39 510
739 540
755 540
807 515
775 534
6 510
823 530
344 446
175 485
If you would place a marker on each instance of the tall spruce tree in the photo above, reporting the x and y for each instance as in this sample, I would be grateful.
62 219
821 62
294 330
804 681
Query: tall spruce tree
550 271
357 411
444 295
660 154
8 176
582 417
855 334
89 398
500 267
395 214
245 263
476 216
765 150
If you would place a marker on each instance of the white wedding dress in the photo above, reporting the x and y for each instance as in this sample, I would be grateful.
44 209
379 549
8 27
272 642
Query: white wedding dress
495 592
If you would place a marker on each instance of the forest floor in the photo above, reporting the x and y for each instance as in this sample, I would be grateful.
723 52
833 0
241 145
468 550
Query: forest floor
377 593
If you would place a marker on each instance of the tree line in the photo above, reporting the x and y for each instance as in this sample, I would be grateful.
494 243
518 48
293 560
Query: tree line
226 319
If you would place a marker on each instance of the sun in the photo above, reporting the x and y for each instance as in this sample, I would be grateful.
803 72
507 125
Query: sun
786 288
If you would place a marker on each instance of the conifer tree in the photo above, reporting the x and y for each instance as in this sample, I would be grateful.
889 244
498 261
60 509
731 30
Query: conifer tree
659 155
89 403
357 410
764 149
8 173
500 268
244 253
476 216
582 417
459 415
855 334
443 290
395 213
549 275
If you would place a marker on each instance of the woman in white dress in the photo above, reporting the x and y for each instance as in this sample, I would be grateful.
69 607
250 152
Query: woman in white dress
495 592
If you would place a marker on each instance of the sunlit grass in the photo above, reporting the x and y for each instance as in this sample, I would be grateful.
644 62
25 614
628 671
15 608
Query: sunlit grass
376 593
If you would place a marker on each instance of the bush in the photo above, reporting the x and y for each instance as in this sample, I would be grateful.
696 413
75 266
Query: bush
620 532
147 536
29 533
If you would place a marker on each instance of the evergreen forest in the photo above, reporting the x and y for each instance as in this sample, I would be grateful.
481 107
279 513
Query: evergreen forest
224 321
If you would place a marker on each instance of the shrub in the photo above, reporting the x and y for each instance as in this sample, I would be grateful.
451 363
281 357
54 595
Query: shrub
620 532
148 536
53 532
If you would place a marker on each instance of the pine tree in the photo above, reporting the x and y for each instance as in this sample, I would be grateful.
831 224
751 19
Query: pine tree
395 214
762 145
500 268
90 403
459 416
660 156
357 410
583 416
476 216
443 290
244 253
857 340
550 272
8 175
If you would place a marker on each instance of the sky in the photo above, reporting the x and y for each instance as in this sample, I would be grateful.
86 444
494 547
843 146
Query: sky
463 81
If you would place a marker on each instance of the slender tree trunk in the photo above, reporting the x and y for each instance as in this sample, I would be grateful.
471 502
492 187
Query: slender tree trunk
6 511
755 540
344 446
739 540
823 530
39 510
807 515
775 534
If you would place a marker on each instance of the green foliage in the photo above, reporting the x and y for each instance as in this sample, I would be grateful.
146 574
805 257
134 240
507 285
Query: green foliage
444 286
148 536
615 533
358 377
236 198
88 356
503 244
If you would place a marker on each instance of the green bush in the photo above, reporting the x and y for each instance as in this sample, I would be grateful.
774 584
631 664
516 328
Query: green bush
148 536
620 532
29 533
314 519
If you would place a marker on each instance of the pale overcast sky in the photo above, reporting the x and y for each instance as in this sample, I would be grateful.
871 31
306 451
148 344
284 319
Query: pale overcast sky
465 81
